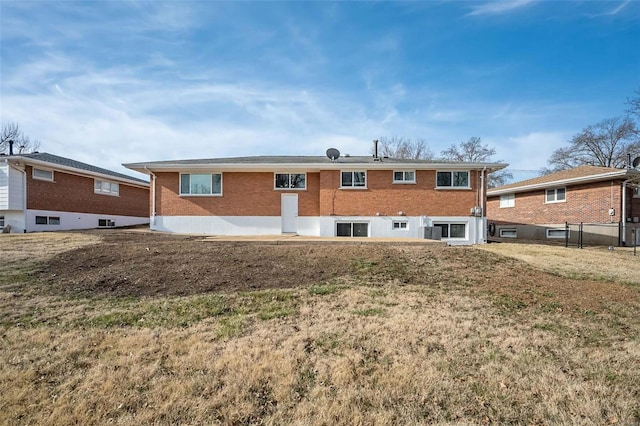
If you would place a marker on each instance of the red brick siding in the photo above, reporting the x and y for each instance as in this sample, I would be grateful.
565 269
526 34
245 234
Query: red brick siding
73 193
252 194
243 194
589 203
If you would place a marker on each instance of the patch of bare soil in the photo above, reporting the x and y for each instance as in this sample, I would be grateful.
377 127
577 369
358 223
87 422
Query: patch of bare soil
142 264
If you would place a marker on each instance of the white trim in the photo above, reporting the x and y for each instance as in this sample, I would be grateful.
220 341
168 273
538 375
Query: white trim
502 231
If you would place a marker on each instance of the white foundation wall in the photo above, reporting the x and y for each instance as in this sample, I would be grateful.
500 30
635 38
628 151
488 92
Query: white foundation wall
15 219
323 226
70 221
232 225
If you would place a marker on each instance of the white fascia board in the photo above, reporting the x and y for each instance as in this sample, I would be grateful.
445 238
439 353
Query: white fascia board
78 172
307 167
556 183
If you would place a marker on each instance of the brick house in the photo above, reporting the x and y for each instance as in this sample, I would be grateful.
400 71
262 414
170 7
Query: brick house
606 199
45 192
317 196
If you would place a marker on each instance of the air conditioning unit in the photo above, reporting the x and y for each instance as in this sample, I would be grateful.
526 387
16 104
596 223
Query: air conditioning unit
432 233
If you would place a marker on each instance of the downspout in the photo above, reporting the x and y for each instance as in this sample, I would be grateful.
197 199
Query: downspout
153 195
483 235
624 211
24 192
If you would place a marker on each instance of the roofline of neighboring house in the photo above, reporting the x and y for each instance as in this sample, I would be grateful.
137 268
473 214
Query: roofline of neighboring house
272 167
622 174
74 170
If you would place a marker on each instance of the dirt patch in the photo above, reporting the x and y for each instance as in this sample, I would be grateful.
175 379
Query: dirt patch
138 264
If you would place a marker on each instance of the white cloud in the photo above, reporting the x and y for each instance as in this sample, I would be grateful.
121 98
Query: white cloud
499 7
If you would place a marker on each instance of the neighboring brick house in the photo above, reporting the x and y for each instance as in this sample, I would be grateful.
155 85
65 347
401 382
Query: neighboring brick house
317 196
539 208
45 192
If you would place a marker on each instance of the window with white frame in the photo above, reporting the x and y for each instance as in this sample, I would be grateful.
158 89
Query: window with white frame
508 233
555 195
556 233
352 229
1 221
42 174
105 187
353 179
507 200
455 179
201 184
290 181
452 230
47 220
402 176
399 225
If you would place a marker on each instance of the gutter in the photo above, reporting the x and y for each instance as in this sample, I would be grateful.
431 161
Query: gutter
153 195
483 236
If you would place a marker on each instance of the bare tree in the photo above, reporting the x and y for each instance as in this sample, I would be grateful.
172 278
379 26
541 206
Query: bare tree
404 148
22 144
475 152
634 104
604 144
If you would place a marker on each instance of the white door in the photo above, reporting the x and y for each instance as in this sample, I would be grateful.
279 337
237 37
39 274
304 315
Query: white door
289 205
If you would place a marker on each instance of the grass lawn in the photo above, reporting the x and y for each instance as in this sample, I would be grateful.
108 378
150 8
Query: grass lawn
134 328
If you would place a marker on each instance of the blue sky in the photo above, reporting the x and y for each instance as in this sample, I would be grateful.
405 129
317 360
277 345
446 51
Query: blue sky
108 82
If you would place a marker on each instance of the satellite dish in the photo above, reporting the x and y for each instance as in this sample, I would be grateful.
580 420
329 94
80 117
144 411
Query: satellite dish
333 154
636 162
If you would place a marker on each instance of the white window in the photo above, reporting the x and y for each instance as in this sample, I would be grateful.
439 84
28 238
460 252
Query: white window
105 187
404 176
556 195
41 174
353 179
352 229
507 200
508 233
290 181
452 230
1 221
201 184
47 220
458 179
399 224
556 233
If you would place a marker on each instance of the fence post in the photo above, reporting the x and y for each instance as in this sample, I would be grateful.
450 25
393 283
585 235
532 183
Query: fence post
566 234
580 234
633 235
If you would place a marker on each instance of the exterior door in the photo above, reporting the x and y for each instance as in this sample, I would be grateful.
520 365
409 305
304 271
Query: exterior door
289 206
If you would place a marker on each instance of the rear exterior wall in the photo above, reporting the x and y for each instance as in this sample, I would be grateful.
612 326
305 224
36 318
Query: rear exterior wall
73 193
588 203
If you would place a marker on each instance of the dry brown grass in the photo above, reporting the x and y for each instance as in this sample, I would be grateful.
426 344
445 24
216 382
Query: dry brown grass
600 263
365 349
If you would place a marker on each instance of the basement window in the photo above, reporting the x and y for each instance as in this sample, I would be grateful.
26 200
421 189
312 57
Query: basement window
508 233
557 233
1 221
352 229
452 230
399 224
47 220
106 223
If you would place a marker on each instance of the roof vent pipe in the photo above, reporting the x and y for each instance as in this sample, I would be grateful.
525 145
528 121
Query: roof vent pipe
375 148
10 147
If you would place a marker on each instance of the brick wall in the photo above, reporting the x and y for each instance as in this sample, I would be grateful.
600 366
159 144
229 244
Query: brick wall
243 194
589 203
74 193
252 194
